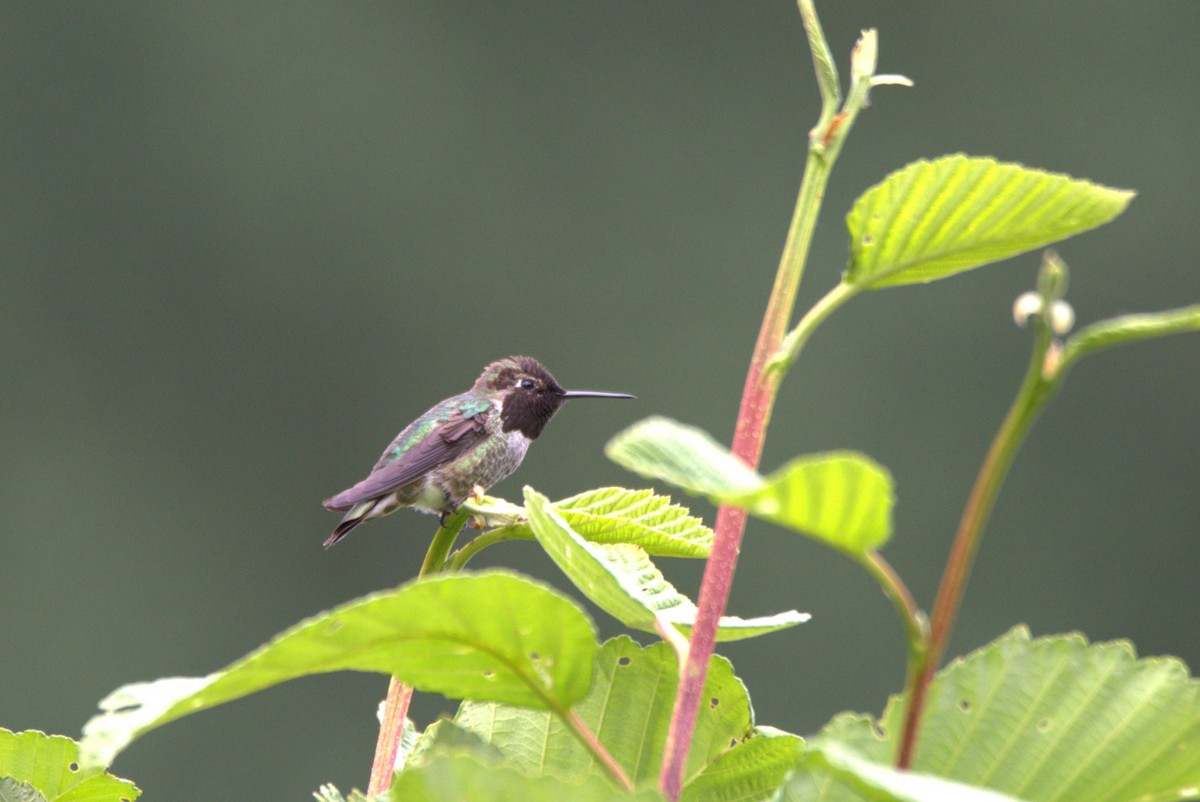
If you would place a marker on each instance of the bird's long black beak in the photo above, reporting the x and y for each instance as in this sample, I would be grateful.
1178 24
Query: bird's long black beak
592 394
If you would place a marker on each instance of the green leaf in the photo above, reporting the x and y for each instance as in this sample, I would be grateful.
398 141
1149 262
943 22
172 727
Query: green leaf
841 498
445 737
621 580
456 778
641 517
684 456
1051 719
933 219
628 708
830 773
751 771
492 635
49 766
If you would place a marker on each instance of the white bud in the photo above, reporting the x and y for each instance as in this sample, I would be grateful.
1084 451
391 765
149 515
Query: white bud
1027 305
1062 317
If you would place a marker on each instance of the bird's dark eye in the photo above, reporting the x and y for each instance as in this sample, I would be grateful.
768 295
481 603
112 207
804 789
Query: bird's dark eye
526 384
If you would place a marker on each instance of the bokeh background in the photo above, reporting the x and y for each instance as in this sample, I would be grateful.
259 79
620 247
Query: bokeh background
242 244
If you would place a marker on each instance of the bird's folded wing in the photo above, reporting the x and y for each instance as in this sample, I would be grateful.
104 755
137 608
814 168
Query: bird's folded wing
454 438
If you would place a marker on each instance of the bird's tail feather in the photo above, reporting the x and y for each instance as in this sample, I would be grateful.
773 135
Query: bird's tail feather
343 529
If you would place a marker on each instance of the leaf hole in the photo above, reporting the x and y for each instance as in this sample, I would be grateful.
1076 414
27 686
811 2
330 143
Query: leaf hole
73 767
964 705
733 742
1043 725
868 240
878 730
489 674
534 656
623 661
713 702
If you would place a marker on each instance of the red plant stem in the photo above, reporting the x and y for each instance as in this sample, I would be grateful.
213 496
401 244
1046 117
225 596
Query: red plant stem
757 400
390 731
762 379
1033 393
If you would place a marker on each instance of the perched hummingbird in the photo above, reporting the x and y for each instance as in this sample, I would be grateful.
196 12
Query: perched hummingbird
476 438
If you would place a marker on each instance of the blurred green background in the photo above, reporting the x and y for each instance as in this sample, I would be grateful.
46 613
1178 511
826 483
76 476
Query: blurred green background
243 244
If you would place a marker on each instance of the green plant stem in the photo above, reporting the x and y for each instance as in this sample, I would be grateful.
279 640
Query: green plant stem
395 709
1128 329
459 559
915 629
762 384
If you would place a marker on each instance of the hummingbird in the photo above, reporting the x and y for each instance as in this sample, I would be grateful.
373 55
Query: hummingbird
471 440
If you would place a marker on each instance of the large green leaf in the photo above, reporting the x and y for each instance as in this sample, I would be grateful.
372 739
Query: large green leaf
830 773
749 772
1051 719
841 498
463 778
933 219
621 580
628 708
641 517
492 635
32 762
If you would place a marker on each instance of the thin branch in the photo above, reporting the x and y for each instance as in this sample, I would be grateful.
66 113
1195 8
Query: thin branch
966 542
459 559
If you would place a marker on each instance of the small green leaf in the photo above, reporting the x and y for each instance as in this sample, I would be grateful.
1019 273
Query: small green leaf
641 517
684 456
933 219
459 778
48 765
830 773
492 635
621 580
841 498
1051 719
628 708
444 737
751 771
